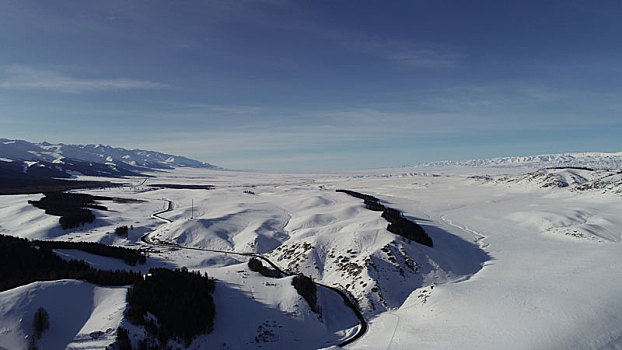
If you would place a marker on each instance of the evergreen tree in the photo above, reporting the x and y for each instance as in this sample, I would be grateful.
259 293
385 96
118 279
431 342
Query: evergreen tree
41 322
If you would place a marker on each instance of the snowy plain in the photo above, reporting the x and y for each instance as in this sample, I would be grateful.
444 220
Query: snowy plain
515 265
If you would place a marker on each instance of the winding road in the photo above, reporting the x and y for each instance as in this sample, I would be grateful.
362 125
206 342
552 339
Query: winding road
346 299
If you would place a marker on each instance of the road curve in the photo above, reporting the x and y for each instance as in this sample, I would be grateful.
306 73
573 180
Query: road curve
346 298
157 215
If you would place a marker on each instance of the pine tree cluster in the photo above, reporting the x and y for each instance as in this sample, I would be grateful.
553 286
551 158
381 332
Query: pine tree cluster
23 262
254 264
398 224
307 289
129 256
180 300
71 207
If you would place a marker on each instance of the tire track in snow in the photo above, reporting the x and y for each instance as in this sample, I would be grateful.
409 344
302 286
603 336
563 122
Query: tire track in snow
397 322
480 237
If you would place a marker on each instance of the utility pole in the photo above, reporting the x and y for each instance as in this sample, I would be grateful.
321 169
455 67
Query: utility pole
192 213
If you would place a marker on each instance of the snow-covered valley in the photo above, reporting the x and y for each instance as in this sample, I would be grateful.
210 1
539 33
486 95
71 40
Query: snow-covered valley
516 263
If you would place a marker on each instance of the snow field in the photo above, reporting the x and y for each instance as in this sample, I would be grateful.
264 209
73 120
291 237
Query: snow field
541 289
514 265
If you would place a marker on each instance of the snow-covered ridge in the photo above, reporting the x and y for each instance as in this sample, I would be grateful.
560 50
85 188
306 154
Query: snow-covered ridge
573 179
597 160
24 150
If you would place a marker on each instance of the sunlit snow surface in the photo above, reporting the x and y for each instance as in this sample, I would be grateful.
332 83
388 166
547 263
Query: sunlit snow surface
516 263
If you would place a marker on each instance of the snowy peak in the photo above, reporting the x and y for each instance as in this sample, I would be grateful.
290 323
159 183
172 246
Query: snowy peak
596 160
102 154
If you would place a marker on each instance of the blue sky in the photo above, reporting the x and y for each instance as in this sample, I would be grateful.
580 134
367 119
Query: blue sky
315 85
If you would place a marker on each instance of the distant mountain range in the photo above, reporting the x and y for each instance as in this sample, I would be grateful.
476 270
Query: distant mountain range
60 160
575 179
590 160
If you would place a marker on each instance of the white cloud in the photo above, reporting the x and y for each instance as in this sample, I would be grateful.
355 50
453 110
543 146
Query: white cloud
408 54
424 58
405 53
27 78
232 109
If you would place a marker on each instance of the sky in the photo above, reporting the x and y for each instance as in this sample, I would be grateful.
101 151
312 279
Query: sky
315 85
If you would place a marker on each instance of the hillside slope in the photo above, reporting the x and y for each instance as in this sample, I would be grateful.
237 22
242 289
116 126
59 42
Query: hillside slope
86 320
326 235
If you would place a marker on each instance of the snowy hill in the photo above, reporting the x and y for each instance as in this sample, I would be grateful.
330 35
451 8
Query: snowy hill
323 234
86 320
112 157
591 160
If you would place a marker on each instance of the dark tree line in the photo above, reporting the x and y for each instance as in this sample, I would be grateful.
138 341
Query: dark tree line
359 195
22 262
180 300
14 181
129 256
398 224
255 264
307 289
183 186
71 207
571 167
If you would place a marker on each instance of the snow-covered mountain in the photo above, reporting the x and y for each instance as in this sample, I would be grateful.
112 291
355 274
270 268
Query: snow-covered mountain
96 160
573 179
62 168
596 160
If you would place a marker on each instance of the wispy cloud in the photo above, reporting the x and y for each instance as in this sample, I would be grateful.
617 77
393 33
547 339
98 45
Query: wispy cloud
399 52
229 109
27 78
413 55
402 52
